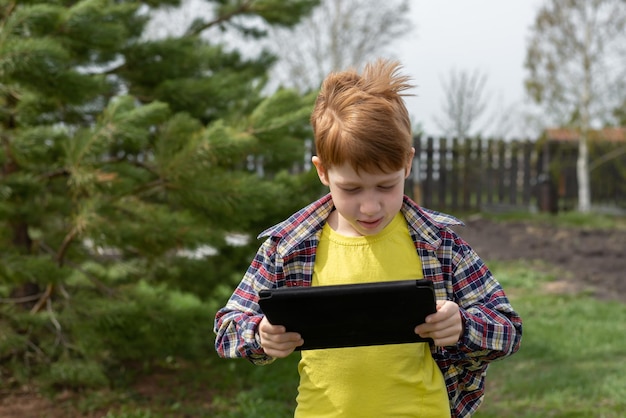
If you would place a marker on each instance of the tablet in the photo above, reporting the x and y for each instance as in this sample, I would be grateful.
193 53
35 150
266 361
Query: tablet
351 315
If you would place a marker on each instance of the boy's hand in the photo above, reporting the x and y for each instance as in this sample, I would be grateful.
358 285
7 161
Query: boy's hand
276 341
445 326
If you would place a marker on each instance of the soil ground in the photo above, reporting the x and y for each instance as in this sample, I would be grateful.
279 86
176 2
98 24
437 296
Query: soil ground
590 260
585 260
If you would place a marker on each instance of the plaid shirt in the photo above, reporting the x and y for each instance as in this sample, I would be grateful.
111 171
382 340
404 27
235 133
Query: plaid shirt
493 329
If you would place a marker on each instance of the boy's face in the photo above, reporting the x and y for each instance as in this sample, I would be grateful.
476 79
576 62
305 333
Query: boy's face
365 203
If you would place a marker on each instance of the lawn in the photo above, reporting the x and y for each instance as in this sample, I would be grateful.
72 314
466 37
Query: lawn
572 362
573 357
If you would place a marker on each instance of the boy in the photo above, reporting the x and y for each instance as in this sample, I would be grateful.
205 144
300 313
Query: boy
366 230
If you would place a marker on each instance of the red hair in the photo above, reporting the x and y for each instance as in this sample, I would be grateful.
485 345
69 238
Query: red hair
362 119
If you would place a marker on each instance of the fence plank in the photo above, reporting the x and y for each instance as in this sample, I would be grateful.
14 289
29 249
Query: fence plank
428 184
526 173
443 173
501 171
490 172
513 184
466 173
480 175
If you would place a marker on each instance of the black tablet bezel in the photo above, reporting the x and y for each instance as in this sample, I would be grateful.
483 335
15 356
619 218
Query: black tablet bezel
351 315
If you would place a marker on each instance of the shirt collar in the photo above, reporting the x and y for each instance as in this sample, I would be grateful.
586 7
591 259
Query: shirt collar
308 221
427 224
304 223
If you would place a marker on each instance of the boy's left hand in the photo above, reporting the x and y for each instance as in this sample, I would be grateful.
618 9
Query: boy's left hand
445 326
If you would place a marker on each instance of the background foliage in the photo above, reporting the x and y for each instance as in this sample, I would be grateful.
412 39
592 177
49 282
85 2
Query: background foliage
125 161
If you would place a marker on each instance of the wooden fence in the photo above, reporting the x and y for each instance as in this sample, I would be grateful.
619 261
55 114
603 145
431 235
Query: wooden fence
478 175
607 166
498 175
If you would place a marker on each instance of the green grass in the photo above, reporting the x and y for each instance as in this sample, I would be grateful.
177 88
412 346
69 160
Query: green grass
570 219
263 391
572 364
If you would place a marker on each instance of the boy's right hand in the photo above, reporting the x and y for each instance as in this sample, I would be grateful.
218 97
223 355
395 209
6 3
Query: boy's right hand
276 341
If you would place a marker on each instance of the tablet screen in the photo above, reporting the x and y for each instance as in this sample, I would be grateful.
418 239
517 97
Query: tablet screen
351 315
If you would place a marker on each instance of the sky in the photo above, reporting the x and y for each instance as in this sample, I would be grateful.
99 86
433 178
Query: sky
485 35
466 35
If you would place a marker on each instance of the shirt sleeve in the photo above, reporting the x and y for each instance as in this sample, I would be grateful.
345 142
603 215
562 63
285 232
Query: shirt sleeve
492 328
236 324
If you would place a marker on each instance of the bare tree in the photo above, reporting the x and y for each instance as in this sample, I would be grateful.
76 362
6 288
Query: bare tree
465 102
575 55
338 34
504 120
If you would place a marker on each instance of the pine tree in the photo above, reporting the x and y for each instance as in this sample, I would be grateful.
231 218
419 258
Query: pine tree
122 158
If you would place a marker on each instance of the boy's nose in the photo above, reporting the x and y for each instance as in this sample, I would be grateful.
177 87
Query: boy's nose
370 206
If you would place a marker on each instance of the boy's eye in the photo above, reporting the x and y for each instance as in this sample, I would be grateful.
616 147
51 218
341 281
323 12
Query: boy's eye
357 189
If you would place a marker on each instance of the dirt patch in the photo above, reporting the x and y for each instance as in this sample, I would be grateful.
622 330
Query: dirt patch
27 402
586 259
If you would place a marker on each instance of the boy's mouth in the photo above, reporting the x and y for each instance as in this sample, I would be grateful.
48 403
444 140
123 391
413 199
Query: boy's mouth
370 224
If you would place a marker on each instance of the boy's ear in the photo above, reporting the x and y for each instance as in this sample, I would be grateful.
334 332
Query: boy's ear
321 171
409 164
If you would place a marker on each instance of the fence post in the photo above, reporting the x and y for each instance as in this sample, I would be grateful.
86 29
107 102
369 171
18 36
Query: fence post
443 173
490 172
428 182
501 170
514 147
414 183
480 173
467 183
526 193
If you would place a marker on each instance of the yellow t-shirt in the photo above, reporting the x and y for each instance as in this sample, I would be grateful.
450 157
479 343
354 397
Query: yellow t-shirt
398 380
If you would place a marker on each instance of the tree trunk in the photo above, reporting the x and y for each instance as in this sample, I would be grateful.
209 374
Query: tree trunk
582 162
582 174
